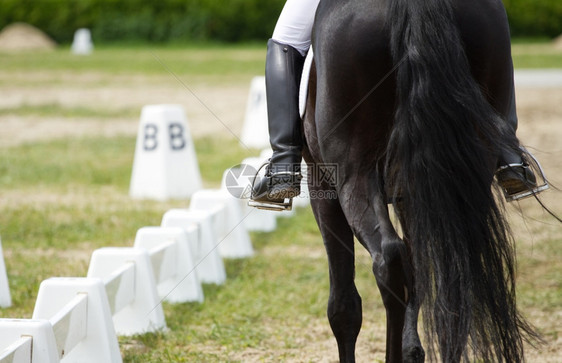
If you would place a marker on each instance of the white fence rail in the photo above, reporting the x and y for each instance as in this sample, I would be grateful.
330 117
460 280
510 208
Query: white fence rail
120 287
18 351
69 324
79 319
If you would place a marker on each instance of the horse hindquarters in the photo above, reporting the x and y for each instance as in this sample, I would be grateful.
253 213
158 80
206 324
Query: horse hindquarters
354 98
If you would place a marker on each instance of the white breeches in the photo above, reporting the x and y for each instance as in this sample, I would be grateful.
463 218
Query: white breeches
294 26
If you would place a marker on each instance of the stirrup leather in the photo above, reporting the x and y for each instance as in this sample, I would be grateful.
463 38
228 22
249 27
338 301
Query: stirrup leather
531 163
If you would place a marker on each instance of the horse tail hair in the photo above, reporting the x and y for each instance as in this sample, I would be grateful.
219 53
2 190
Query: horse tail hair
439 166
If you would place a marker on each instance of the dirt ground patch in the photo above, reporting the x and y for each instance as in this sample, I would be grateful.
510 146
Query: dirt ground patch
210 109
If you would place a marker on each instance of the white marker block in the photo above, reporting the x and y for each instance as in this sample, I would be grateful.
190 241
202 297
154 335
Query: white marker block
5 297
184 284
144 313
19 351
44 345
165 165
82 42
100 341
199 226
255 132
233 236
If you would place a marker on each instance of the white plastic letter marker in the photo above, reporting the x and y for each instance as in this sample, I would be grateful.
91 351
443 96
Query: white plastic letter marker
165 165
182 284
44 346
255 131
5 297
86 335
144 313
233 236
199 227
82 43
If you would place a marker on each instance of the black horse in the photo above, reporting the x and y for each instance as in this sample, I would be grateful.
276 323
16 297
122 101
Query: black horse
410 99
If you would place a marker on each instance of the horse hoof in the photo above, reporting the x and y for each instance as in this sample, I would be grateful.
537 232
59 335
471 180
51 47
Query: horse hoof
414 355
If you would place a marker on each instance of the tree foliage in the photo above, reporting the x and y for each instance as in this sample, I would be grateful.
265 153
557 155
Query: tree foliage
200 20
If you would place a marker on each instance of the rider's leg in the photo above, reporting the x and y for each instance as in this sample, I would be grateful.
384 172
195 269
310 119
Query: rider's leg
282 75
284 62
294 26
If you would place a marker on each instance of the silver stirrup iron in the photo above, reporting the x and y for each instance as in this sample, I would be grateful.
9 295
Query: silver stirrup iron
535 166
286 205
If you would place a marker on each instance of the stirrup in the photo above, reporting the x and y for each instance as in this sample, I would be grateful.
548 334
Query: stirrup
286 205
535 166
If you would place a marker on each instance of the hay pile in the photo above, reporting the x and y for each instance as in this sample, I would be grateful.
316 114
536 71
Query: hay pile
22 37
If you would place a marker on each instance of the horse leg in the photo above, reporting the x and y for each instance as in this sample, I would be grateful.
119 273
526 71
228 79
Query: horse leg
389 257
391 265
344 304
412 350
387 267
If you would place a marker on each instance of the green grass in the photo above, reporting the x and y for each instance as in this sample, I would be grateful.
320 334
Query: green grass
536 55
62 164
96 162
215 61
190 60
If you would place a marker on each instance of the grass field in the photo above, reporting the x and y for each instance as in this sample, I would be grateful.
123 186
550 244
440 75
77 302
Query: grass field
68 127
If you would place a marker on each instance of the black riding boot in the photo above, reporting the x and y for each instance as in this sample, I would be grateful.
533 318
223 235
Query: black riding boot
514 174
283 71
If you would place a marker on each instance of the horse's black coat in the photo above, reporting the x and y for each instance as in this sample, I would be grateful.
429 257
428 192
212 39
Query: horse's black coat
410 99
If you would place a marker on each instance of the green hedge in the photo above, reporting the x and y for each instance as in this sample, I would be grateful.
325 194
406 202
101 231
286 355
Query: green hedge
147 20
223 20
535 17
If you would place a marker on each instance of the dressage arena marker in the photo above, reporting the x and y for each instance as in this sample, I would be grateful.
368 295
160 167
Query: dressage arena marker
165 165
19 351
174 265
5 297
255 131
232 235
135 304
199 226
80 316
33 341
82 42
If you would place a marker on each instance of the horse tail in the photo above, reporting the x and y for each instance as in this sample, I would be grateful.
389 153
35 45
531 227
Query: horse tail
440 167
